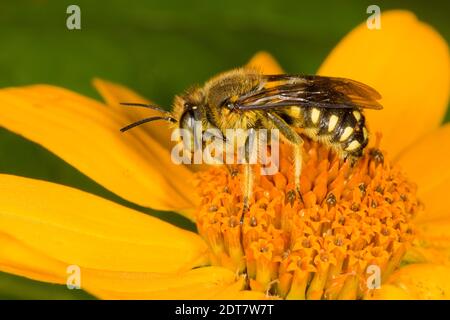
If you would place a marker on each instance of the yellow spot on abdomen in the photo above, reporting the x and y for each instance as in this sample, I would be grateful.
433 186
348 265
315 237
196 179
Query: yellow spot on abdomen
353 145
332 123
357 115
347 132
315 114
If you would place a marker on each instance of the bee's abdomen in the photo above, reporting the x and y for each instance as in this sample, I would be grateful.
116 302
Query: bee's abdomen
343 129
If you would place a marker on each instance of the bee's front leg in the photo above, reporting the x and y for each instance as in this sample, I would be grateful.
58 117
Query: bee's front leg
293 138
247 180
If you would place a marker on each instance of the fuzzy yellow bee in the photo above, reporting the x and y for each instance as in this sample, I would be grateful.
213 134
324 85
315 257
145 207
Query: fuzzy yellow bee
328 110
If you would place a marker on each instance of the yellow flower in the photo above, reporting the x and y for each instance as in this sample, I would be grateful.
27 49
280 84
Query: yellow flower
124 254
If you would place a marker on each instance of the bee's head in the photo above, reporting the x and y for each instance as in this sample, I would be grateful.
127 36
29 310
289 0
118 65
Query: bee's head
189 109
190 112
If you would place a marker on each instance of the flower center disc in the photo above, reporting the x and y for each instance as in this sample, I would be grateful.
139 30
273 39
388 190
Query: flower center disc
352 224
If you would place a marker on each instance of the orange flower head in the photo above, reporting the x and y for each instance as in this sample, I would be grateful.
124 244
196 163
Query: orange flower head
320 246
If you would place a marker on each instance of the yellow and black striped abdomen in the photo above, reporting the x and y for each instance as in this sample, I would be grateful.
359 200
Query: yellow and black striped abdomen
343 129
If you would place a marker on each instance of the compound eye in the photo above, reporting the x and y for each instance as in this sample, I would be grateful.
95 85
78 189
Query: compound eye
187 121
227 104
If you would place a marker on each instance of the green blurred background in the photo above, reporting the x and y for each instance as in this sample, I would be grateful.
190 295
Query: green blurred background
157 48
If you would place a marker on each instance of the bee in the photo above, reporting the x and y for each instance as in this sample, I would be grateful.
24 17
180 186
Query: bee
327 109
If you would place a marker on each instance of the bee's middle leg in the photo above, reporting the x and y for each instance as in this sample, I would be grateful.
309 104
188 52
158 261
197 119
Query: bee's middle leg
247 188
294 139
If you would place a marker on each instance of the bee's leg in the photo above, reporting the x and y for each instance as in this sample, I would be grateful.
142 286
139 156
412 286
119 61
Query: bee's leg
247 188
247 180
293 138
232 170
298 160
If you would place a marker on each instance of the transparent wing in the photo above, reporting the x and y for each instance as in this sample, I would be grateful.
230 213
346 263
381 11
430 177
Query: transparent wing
310 91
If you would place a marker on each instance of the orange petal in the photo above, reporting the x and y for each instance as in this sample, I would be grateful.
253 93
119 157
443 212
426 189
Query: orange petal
407 61
426 252
264 62
200 283
390 292
235 292
212 283
427 164
21 260
44 226
432 244
86 134
416 281
114 94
